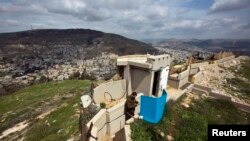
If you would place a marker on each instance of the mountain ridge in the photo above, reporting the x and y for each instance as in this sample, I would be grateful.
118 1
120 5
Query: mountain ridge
83 38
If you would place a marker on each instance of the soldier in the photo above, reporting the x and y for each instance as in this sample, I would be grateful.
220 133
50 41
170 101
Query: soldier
130 105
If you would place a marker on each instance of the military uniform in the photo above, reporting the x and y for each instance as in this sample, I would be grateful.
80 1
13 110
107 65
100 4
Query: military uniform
130 105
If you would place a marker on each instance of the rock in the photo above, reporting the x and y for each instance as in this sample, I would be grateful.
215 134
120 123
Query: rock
204 95
60 77
185 105
234 62
25 82
116 77
71 139
66 76
162 134
7 77
169 138
30 78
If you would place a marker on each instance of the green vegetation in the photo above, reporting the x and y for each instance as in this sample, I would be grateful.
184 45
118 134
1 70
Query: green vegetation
102 105
62 97
177 62
189 124
245 69
240 85
59 125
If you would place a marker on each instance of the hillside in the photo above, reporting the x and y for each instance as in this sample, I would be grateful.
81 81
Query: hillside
28 57
91 41
48 111
189 123
215 45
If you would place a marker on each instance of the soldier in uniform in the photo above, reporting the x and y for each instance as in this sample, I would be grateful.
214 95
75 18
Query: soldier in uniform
130 105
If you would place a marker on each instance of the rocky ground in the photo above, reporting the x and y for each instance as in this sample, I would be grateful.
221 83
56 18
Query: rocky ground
215 76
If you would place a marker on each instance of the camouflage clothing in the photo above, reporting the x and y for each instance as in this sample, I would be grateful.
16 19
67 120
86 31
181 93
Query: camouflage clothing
130 105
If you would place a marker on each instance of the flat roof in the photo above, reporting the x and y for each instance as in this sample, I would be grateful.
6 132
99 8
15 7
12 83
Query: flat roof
140 60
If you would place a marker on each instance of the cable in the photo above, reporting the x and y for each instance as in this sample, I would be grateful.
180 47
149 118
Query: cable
111 98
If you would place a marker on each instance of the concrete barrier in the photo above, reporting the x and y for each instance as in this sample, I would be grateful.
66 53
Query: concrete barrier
196 65
110 90
224 59
202 89
108 121
193 71
243 107
179 80
219 96
196 77
99 125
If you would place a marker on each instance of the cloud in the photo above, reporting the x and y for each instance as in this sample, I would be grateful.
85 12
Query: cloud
9 22
246 26
19 8
132 18
229 5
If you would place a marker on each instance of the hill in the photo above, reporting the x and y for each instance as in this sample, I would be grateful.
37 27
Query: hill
90 41
215 45
28 57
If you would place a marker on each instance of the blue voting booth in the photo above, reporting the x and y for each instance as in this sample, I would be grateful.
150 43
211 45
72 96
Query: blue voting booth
152 108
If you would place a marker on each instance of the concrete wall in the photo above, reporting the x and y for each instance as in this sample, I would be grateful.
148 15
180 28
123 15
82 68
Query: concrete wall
202 89
177 83
243 107
159 61
196 77
196 65
107 122
179 80
110 121
127 76
194 68
117 90
115 119
219 96
194 71
224 59
141 80
99 125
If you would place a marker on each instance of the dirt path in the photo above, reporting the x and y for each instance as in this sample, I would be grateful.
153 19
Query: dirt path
18 127
45 111
24 124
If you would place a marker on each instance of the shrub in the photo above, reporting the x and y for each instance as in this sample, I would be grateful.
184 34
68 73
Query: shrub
102 105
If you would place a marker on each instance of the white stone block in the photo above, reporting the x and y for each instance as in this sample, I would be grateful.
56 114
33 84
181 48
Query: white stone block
116 125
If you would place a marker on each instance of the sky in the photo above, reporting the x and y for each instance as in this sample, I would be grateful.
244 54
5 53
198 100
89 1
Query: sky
138 19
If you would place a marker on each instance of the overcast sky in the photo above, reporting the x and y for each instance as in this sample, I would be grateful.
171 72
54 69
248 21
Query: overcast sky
139 19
